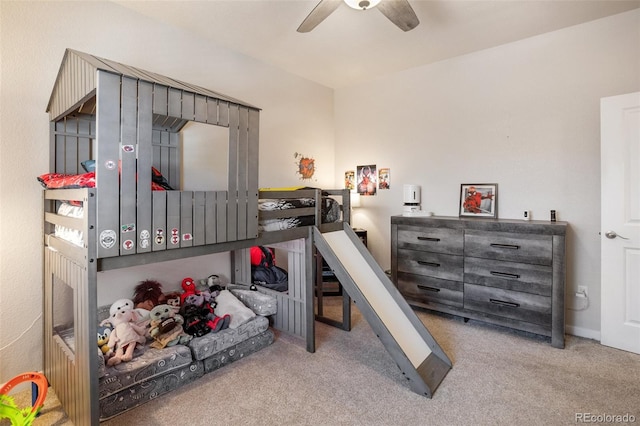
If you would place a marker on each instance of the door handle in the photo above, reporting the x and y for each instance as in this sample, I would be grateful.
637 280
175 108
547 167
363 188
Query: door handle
612 234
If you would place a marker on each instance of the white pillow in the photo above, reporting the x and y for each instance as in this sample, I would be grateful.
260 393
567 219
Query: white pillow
229 304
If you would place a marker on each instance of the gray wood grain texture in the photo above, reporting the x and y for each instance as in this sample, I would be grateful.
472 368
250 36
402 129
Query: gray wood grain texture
107 158
144 152
513 271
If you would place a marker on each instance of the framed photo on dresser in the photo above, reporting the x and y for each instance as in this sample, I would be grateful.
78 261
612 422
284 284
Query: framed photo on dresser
479 200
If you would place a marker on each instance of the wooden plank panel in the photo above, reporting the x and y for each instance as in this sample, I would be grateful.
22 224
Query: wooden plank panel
164 154
198 218
175 103
223 113
186 219
155 147
210 217
174 161
212 111
221 216
59 159
252 179
188 106
200 109
52 146
160 99
160 233
71 146
107 176
128 147
84 143
173 219
243 172
145 154
232 206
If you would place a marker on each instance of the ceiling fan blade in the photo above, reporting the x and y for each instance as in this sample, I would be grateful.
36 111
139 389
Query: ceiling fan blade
318 14
400 13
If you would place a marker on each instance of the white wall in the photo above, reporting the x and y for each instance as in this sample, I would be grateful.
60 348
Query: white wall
297 116
523 115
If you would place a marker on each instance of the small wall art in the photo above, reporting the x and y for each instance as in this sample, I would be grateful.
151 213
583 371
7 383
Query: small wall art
384 178
479 200
367 177
306 166
350 180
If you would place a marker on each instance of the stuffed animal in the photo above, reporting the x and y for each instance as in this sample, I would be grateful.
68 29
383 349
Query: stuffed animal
166 327
173 300
196 322
126 333
104 331
189 285
148 294
200 320
197 309
212 284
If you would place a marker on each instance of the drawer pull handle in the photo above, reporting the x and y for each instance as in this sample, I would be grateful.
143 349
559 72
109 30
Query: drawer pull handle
505 246
503 303
424 287
428 239
422 262
504 274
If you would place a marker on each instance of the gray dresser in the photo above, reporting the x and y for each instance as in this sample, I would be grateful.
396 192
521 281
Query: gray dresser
505 272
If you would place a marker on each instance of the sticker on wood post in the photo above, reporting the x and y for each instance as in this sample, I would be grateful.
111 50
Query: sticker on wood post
107 238
145 238
175 236
159 238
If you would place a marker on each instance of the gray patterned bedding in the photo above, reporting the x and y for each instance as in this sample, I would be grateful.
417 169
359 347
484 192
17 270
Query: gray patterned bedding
330 212
154 372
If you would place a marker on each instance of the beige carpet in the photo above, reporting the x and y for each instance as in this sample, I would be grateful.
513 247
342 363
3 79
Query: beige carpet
499 377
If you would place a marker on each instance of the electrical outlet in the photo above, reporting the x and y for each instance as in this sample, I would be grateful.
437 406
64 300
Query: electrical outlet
582 291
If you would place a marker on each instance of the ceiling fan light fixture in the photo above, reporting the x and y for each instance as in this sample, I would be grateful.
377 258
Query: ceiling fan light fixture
362 4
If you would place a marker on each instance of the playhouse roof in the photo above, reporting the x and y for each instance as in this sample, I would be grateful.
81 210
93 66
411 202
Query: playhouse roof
76 82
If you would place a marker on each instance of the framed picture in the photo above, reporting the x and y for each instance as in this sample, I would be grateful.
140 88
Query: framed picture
367 179
479 200
350 179
384 178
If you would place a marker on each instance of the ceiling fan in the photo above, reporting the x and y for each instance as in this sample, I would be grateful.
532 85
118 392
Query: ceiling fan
397 11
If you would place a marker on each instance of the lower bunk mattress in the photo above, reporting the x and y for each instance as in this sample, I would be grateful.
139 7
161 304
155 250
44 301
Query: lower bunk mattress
155 372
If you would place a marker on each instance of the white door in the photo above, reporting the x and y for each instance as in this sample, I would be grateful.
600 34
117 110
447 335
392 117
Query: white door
620 228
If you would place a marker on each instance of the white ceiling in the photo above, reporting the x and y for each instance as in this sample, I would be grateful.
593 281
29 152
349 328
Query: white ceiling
351 46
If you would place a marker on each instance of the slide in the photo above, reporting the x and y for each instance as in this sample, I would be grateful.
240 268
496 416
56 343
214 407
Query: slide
412 347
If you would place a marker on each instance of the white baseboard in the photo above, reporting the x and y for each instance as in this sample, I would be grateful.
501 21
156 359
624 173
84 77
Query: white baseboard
587 333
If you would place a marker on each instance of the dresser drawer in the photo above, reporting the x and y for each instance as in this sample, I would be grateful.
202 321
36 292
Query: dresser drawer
536 249
535 279
437 240
508 304
427 290
437 265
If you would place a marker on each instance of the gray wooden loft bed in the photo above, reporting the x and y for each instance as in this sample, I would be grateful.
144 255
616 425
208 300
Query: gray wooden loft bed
129 120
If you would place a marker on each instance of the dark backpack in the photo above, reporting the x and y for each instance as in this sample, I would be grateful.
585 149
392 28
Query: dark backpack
267 274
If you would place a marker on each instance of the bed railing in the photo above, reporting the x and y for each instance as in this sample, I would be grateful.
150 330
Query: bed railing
340 195
182 219
179 219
